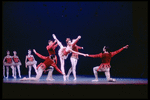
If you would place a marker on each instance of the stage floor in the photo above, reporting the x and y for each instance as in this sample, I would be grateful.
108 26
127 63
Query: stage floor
82 88
80 80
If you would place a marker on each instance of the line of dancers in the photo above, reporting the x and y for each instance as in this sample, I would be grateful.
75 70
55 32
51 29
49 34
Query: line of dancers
50 62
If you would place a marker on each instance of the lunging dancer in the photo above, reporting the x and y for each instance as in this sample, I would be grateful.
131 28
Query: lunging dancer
63 52
43 66
7 61
17 63
30 61
74 59
51 50
105 65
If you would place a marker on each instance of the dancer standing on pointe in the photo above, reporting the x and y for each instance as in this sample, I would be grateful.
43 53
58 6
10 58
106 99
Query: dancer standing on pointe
7 61
105 65
63 52
43 66
51 50
74 59
31 62
17 63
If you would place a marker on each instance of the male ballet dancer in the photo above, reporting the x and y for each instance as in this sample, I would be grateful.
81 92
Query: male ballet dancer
74 59
51 50
105 65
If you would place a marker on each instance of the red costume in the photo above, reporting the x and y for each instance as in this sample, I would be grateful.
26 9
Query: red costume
75 48
106 58
48 62
30 58
8 60
51 50
16 59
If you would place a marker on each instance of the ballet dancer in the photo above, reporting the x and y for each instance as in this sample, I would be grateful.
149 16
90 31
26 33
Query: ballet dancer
43 66
105 65
51 50
7 61
17 63
74 59
30 61
63 52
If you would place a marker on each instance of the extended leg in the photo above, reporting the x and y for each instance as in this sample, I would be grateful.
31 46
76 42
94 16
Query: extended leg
12 67
18 67
34 66
59 43
62 68
29 72
3 70
7 68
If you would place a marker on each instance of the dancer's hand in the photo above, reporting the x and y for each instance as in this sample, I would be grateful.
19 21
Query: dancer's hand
82 47
79 37
54 36
26 66
126 47
86 55
34 50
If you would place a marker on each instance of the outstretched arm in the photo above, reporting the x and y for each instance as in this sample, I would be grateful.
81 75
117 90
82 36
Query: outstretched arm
78 52
39 55
76 40
95 56
118 51
50 46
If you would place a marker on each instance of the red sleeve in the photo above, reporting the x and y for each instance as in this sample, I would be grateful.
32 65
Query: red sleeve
50 46
96 56
116 52
55 45
75 42
41 56
79 47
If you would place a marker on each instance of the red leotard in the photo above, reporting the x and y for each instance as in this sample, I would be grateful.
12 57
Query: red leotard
30 58
8 60
16 59
106 57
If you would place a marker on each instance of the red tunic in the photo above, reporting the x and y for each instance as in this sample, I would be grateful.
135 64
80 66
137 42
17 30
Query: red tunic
106 58
48 62
8 60
51 50
75 48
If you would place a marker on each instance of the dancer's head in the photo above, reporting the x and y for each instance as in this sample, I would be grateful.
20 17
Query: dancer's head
68 41
50 42
14 52
106 49
29 51
8 52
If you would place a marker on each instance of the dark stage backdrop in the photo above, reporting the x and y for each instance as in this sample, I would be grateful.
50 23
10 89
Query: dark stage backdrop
29 25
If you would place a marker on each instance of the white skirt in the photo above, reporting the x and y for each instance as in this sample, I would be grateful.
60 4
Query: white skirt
60 53
8 64
18 63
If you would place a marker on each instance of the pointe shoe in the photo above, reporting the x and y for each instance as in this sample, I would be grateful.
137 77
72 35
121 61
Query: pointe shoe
95 80
74 79
111 80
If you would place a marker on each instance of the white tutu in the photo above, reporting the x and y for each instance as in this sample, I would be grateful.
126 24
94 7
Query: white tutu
8 64
60 53
18 63
29 63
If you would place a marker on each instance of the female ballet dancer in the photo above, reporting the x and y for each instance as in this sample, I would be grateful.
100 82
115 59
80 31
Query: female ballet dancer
63 52
74 59
43 66
31 62
7 61
105 65
17 63
51 50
